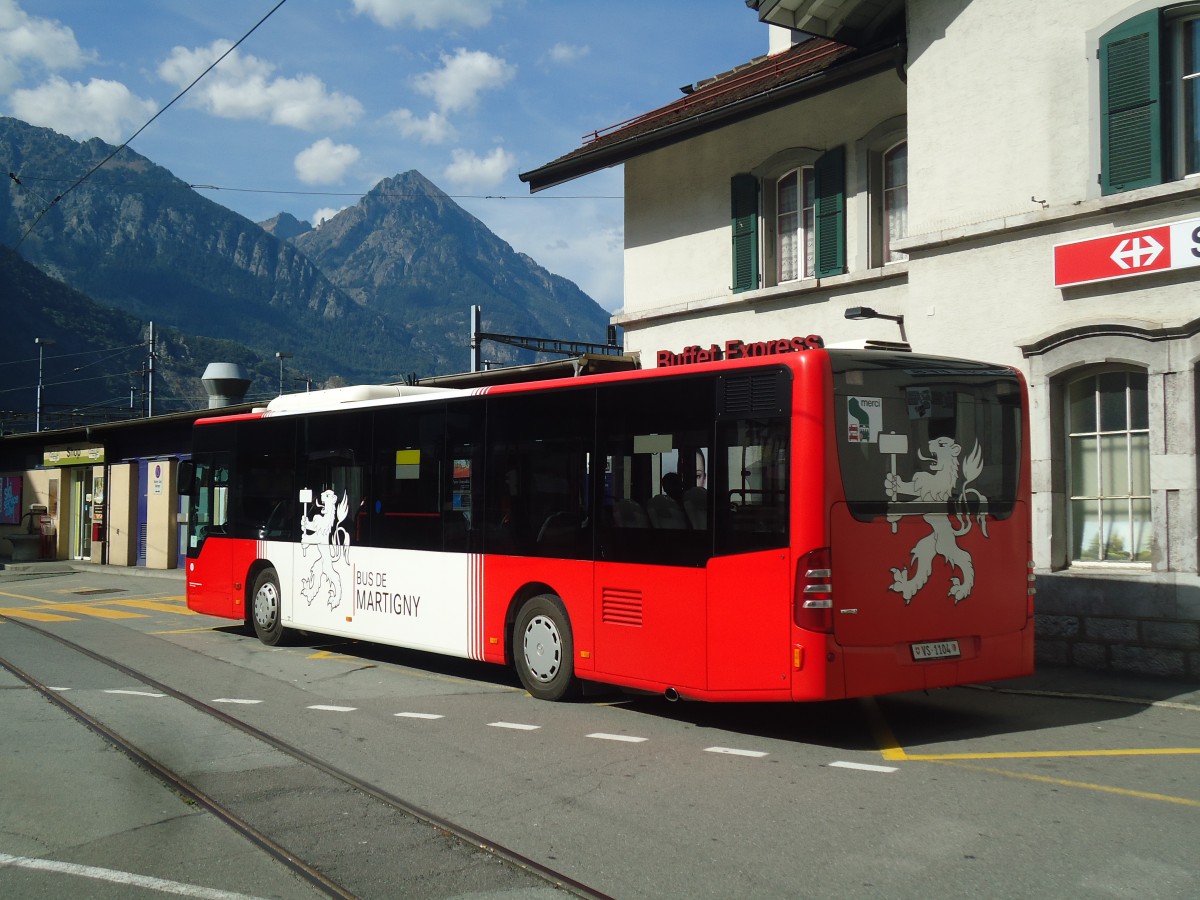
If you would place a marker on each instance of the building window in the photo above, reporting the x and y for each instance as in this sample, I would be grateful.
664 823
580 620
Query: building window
803 217
1109 468
895 201
795 224
1188 52
1150 123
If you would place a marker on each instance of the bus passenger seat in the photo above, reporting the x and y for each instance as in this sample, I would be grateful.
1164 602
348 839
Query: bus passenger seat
695 504
665 512
629 514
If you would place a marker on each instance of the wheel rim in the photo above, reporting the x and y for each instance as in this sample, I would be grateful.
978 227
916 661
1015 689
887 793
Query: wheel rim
266 605
543 649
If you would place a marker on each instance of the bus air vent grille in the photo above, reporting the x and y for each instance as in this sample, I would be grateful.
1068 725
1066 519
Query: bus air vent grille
619 606
759 394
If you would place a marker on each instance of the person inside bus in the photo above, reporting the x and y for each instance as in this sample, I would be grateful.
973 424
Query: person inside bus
666 509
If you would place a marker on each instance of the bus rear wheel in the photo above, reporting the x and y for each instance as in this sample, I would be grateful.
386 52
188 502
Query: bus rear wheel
266 609
543 650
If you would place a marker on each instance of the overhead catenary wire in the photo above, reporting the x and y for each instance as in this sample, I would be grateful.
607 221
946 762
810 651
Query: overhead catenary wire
147 124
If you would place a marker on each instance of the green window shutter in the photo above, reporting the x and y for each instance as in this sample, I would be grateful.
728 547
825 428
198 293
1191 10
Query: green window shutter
830 174
1131 105
743 191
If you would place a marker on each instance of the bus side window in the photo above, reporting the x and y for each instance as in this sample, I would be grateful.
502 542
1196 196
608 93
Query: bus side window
405 509
538 495
654 441
751 474
462 490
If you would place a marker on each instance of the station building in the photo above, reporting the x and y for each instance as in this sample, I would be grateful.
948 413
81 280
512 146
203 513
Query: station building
1009 180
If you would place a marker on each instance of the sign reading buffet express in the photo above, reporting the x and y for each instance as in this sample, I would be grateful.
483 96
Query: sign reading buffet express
735 349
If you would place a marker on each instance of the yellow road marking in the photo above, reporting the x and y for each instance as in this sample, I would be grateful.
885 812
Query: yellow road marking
21 597
1053 754
329 654
1062 782
884 739
35 615
85 609
155 605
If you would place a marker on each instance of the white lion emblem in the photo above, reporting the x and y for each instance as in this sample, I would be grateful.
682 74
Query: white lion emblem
320 531
939 485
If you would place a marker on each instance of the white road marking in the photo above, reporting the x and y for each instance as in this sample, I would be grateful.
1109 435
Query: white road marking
412 715
627 738
235 700
516 726
118 877
325 708
136 693
863 767
730 751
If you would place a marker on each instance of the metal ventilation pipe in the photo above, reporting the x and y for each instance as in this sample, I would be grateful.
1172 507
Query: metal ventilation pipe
226 384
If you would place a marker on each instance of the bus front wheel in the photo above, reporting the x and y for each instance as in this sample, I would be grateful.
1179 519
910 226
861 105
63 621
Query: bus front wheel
266 611
543 650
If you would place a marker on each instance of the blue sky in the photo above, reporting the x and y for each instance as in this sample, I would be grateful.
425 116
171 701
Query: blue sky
327 97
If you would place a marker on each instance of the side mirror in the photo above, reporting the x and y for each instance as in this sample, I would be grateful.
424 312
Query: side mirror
187 478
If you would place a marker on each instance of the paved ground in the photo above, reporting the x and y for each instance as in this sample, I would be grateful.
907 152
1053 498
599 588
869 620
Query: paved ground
48 762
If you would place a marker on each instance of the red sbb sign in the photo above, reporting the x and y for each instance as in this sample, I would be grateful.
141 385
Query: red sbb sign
1160 248
736 349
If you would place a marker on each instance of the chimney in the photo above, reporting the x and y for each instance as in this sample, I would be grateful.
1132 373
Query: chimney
226 384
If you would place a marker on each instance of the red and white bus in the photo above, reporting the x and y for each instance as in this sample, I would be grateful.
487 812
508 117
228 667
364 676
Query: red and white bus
804 525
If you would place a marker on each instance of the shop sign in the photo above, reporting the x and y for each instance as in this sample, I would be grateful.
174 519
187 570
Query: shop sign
1159 248
73 455
735 349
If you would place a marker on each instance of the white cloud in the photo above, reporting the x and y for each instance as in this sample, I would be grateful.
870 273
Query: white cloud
325 162
25 39
462 77
568 53
245 87
433 129
105 109
322 215
427 14
468 170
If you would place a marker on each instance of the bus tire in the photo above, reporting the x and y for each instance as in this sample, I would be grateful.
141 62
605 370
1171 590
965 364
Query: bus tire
266 609
543 650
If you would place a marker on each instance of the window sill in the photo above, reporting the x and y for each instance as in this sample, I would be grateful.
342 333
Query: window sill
1183 189
1106 568
801 289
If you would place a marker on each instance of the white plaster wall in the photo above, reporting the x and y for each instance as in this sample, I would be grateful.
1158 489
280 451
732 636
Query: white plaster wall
1001 90
677 238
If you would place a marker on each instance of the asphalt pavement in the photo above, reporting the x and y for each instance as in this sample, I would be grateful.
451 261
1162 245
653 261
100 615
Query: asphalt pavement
54 770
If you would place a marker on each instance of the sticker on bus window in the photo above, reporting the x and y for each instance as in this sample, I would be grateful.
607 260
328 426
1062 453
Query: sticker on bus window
408 465
864 419
924 403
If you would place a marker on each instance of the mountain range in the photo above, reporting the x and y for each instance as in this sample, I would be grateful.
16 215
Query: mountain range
380 291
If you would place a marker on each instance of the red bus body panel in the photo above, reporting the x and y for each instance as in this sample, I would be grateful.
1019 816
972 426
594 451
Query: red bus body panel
726 631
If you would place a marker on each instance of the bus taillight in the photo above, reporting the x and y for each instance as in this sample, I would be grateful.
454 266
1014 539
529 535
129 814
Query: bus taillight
812 607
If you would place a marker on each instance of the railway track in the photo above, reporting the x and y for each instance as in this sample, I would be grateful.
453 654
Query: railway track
309 860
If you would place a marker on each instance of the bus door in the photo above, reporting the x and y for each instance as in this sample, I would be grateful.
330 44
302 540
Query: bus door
929 546
653 531
749 576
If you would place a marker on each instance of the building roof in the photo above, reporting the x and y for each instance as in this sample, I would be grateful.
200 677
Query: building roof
850 21
810 67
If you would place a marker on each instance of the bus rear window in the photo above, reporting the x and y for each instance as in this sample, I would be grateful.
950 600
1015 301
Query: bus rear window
944 435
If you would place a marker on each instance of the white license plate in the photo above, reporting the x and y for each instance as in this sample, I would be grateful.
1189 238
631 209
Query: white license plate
936 650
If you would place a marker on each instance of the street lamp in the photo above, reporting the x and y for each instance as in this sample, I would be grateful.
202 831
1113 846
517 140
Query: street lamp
281 356
42 344
865 312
